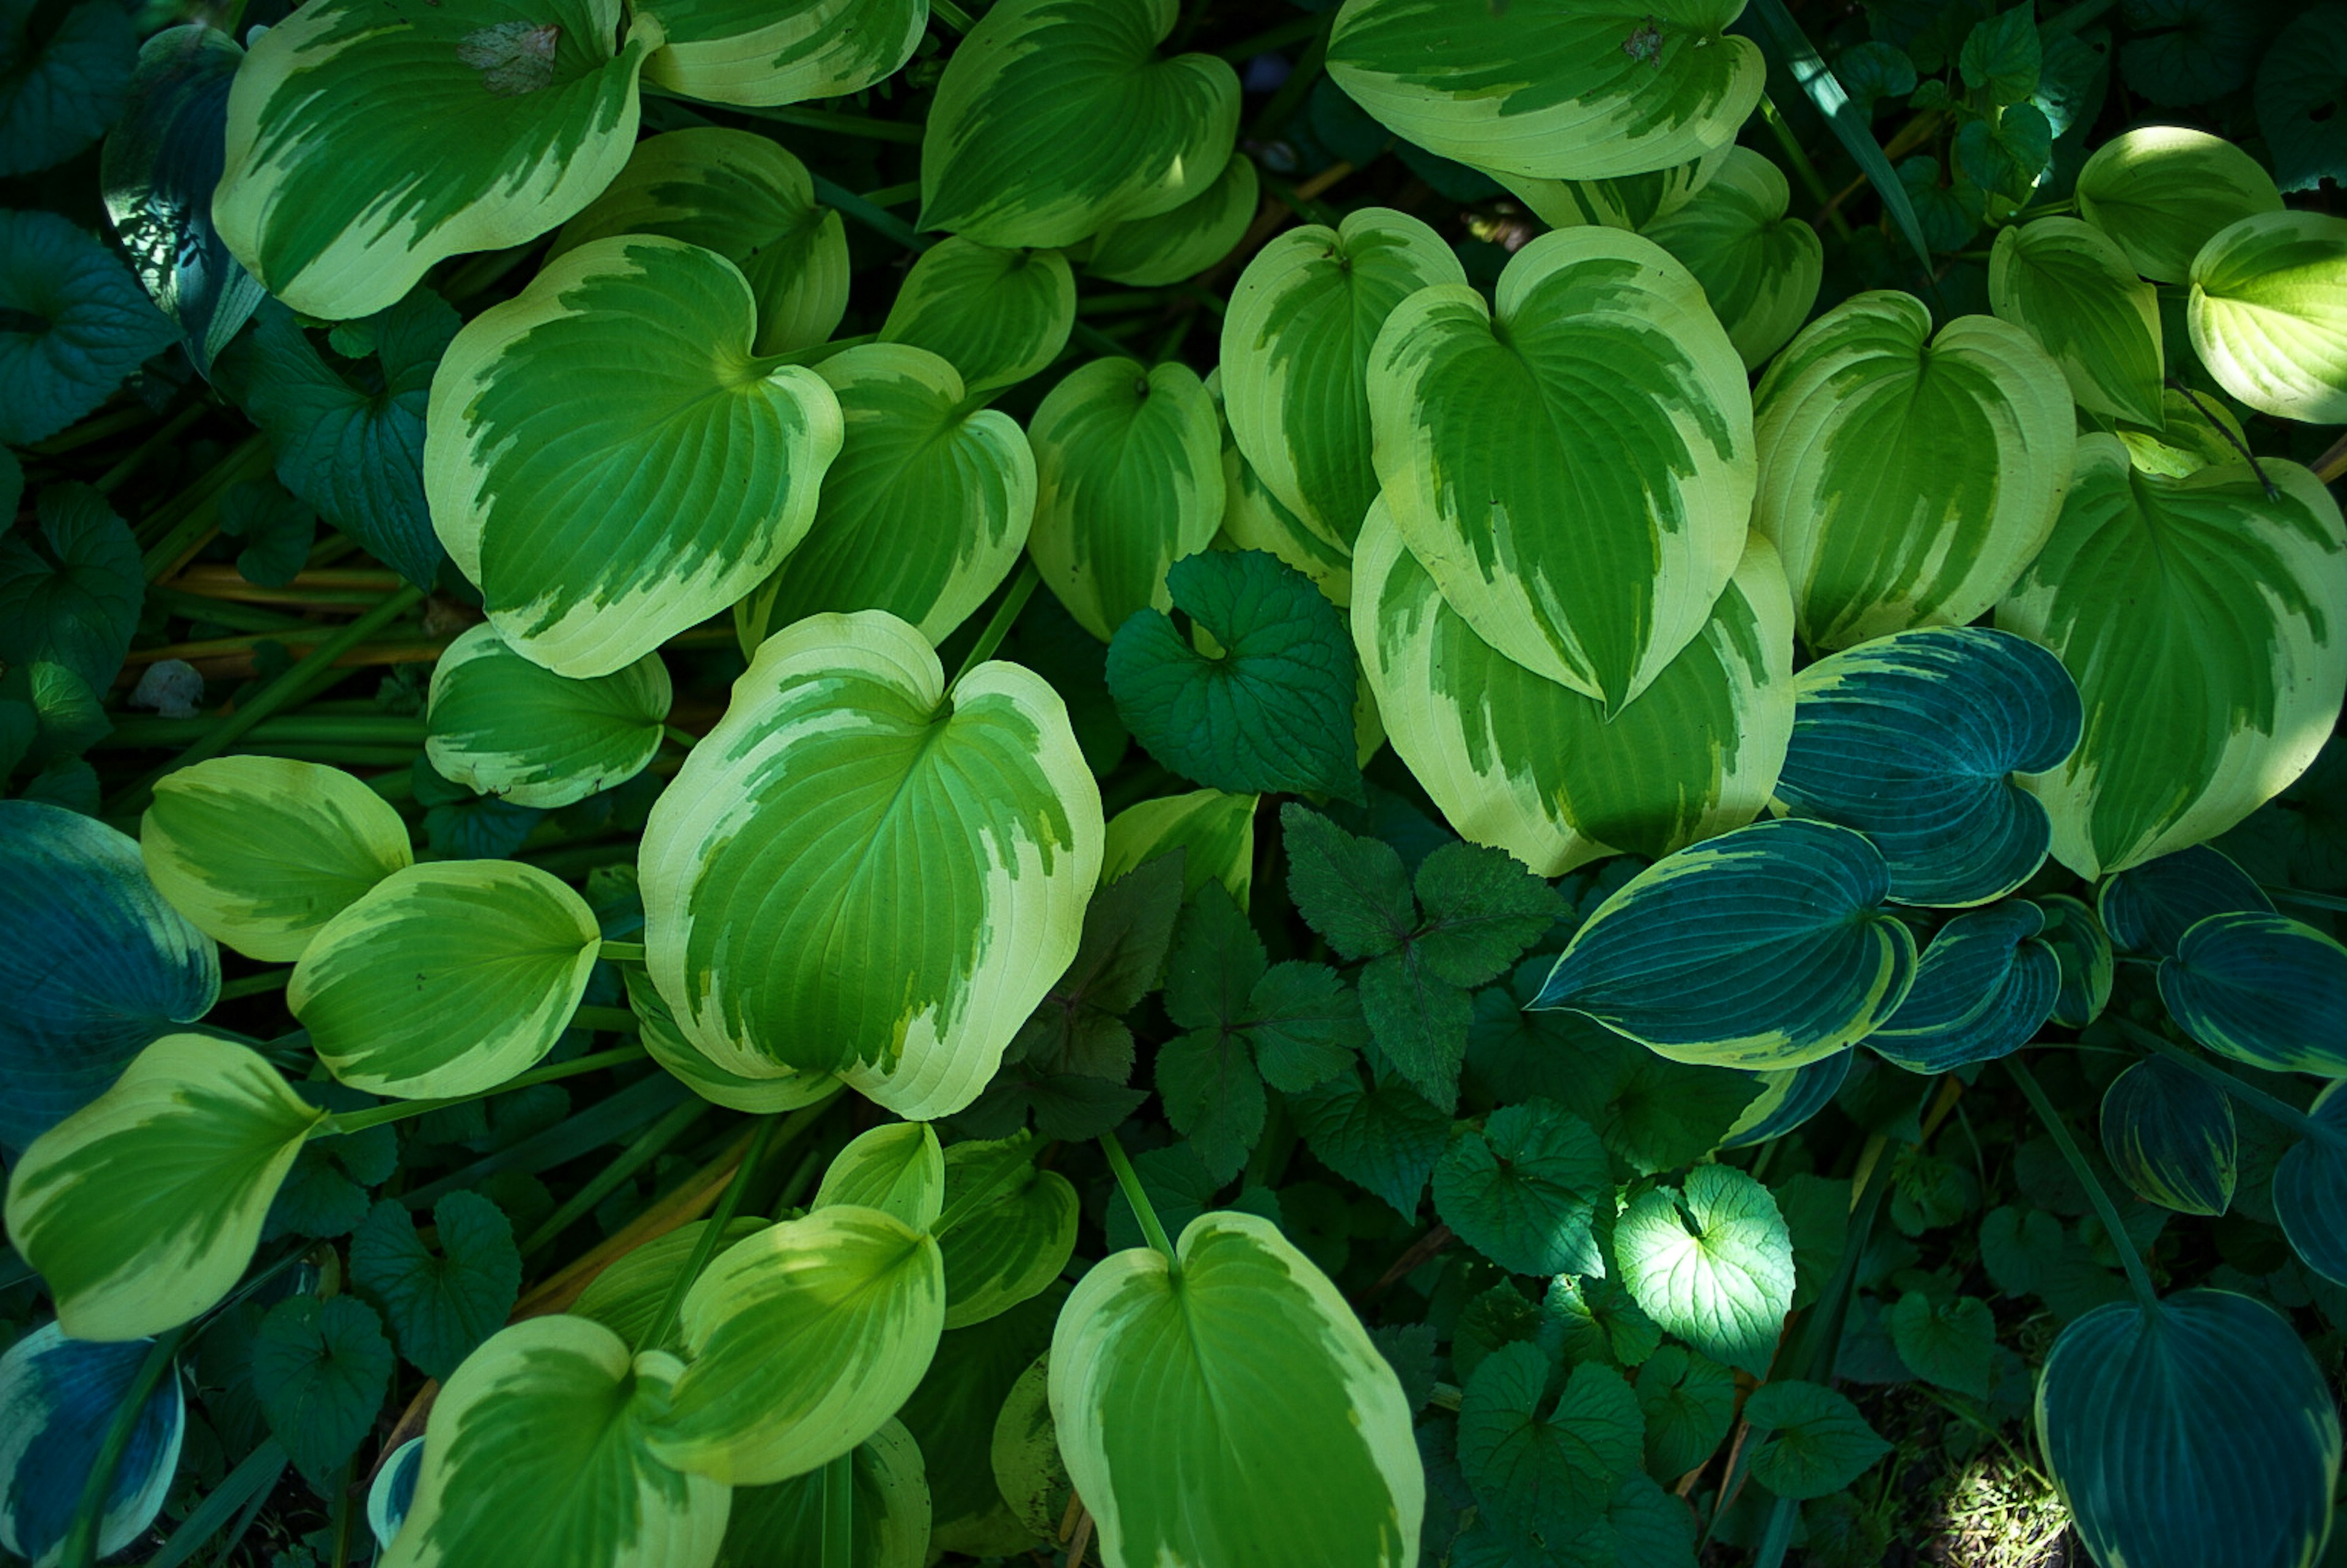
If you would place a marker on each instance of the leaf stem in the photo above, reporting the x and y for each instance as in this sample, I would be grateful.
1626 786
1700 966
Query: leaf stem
623 952
1129 1179
954 17
80 1547
2256 1099
2138 1277
2273 491
401 1111
877 219
704 1247
1021 587
256 985
612 1020
2300 895
839 1494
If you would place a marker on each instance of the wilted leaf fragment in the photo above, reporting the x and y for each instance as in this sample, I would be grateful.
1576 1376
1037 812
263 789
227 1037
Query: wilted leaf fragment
58 1399
1712 1263
73 323
505 726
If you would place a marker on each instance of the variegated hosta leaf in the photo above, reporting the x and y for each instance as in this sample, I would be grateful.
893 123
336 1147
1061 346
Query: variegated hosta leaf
446 978
632 1294
1128 480
1255 519
749 200
2260 989
2073 291
1214 831
2193 434
1913 740
933 852
606 459
1907 481
2161 191
1981 990
1767 948
2169 1134
1296 346
1150 252
1055 118
2200 621
927 507
888 1524
1237 1414
1560 89
997 316
1576 475
392 1492
504 726
1628 202
1519 762
2083 951
365 144
1759 269
537 1455
1019 1238
802 1340
766 52
58 1399
899 1169
1788 1098
666 1044
2310 1186
2148 907
259 852
2269 313
141 1209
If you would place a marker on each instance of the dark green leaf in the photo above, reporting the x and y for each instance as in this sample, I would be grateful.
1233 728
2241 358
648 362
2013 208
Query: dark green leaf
1871 72
1688 1399
2147 908
1179 1187
2170 1135
2188 51
1072 1106
73 599
440 1307
1545 1469
73 324
277 531
1306 1025
1351 890
1420 1020
1079 1027
1600 1321
1950 1343
1214 1097
2302 100
2309 1190
1215 961
1482 908
2002 56
1524 1191
1949 215
2009 157
1643 1527
320 1368
1847 119
59 93
1816 1441
1387 1137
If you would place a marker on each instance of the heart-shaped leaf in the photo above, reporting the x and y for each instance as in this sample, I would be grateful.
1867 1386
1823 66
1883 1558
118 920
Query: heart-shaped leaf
1815 1441
320 1368
1150 252
66 86
1711 1263
757 52
1759 268
2160 191
441 1307
2169 1134
73 324
74 602
1543 1468
502 726
1018 1239
2310 1186
2260 989
1524 1190
2269 313
2078 294
997 316
1983 990
899 1169
2147 908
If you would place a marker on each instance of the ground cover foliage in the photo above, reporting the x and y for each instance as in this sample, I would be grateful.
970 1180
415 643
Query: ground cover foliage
867 782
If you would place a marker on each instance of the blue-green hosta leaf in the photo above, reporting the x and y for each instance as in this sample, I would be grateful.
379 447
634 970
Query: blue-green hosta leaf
927 507
2147 908
1241 1415
440 1307
1765 948
2260 989
1129 479
341 191
2082 949
1296 353
2198 617
610 462
504 726
446 978
1712 1263
888 1524
57 1397
1055 118
1521 762
1546 1470
801 1341
758 52
392 1492
261 851
667 1045
996 315
1271 709
320 1369
749 200
1912 739
898 1168
1150 252
1787 1097
64 89
2073 291
141 1209
1524 1190
354 453
2269 313
2160 191
2196 1433
73 324
2168 1132
1629 201
160 164
1015 1242
2309 1187
1559 89
1907 478
1759 269
939 847
95 963
537 1455
74 598
1982 989
1215 831
1814 1442
1574 472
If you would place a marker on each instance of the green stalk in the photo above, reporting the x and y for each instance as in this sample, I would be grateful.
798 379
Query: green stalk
1023 587
877 219
1100 342
2256 1099
839 124
705 1247
622 952
612 1020
2300 895
2138 1277
1150 1225
107 483
226 613
839 1497
1799 158
639 1153
97 427
302 729
257 985
179 523
80 1548
895 195
376 1116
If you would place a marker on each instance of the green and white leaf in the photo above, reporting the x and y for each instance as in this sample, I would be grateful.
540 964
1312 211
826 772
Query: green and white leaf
141 1209
667 1045
260 853
446 978
2169 1134
1577 472
1150 252
1906 479
898 1168
745 52
1255 519
1241 1415
1983 990
2260 989
1629 201
1015 1242
501 725
2160 191
2193 434
2082 949
364 145
938 848
1712 1263
1214 831
1759 268
996 315
2198 617
631 1293
608 460
888 1524
2269 313
1558 89
2073 291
